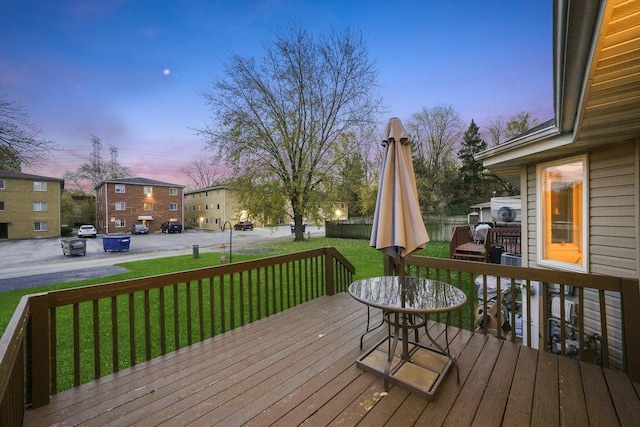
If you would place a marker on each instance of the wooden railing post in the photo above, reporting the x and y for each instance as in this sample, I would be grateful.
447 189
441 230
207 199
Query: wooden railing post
631 324
330 284
40 348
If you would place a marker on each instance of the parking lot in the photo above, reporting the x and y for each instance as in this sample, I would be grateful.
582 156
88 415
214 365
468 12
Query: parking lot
36 257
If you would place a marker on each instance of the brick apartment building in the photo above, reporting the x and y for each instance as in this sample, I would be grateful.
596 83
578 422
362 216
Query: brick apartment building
29 205
121 203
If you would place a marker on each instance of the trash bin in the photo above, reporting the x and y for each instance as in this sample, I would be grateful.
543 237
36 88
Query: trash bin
196 251
74 247
116 242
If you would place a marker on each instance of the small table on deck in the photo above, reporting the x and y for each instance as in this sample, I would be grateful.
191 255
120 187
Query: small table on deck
405 307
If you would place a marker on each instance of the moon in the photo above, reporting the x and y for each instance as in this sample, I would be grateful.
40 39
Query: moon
166 71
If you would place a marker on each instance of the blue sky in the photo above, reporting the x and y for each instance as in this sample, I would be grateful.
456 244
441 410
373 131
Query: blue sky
131 72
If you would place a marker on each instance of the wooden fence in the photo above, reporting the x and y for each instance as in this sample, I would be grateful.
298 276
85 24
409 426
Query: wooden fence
439 228
60 339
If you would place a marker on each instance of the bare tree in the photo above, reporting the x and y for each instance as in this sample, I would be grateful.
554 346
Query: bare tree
496 130
20 141
97 169
202 172
282 118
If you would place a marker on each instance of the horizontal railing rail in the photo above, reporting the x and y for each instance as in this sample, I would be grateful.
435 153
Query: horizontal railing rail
591 317
61 339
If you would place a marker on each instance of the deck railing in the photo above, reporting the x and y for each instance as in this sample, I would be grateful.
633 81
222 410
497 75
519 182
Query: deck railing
590 317
111 326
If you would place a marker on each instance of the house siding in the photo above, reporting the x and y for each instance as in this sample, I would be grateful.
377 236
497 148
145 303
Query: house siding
19 216
613 216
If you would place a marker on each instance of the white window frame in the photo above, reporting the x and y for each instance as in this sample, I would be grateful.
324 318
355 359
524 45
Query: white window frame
173 206
40 206
2 184
39 185
173 191
1 205
120 188
541 224
120 223
120 206
148 190
147 206
40 226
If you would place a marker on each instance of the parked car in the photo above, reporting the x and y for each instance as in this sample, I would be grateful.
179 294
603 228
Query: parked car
243 225
87 231
140 229
171 227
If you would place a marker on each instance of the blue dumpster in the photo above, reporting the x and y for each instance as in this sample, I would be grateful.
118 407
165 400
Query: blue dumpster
116 242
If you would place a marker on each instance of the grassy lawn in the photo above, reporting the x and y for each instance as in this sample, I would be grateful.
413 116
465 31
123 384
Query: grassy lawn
368 263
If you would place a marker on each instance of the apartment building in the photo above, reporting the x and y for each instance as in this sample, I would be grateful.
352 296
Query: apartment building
121 203
29 205
209 208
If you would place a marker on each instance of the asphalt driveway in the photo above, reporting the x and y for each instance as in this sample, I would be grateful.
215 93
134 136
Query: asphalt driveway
35 262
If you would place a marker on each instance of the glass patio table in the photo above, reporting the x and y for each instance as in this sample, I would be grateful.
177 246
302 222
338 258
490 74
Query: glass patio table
406 303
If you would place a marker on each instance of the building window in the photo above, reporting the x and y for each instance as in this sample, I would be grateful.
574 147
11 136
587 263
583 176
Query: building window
173 191
206 207
193 208
1 184
199 208
120 206
147 190
39 206
39 186
1 205
120 188
218 206
147 206
173 206
562 220
120 223
40 226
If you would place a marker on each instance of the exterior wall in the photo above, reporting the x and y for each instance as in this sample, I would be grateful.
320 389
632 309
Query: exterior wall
135 199
210 208
613 229
19 215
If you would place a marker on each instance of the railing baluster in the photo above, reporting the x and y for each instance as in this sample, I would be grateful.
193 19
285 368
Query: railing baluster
176 318
201 310
132 329
189 312
212 306
115 363
76 345
96 338
232 301
147 324
163 324
221 298
604 329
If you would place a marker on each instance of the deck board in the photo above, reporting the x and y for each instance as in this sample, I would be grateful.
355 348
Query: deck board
298 367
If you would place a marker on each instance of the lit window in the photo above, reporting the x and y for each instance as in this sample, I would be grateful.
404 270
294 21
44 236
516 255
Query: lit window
148 190
120 188
173 206
39 186
120 206
562 220
39 206
40 226
147 206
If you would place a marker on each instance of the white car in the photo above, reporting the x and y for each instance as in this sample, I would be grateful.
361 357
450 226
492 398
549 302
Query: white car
87 231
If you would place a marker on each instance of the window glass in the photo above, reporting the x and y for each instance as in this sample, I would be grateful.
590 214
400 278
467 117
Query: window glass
1 184
173 191
120 223
120 206
39 186
173 206
148 190
1 205
562 219
40 206
120 188
40 226
148 206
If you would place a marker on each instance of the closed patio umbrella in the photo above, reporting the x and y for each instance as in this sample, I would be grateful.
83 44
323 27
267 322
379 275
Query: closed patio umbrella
398 229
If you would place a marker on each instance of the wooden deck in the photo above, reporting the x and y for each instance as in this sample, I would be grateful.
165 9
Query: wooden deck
298 367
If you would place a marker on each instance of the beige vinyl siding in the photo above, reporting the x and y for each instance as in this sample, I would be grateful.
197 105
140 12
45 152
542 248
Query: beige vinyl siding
612 240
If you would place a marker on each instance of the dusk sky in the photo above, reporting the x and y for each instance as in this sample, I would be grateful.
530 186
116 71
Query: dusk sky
131 72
